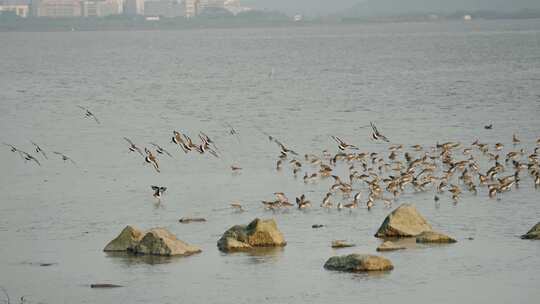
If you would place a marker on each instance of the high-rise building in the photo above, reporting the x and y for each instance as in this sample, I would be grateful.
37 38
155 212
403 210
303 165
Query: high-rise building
211 4
235 7
163 8
57 8
101 8
134 7
17 7
191 8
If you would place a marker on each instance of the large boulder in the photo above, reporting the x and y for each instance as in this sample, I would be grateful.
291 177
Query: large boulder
128 238
259 233
533 234
405 221
358 263
389 246
159 241
434 237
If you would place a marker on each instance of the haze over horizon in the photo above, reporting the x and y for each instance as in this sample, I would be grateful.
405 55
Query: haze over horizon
396 7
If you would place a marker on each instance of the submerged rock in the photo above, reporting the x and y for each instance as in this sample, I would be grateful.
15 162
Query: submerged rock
358 263
434 237
187 220
405 221
128 238
105 286
259 233
341 244
159 241
533 234
389 246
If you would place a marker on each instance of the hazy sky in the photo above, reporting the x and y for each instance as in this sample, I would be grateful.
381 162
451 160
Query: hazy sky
325 7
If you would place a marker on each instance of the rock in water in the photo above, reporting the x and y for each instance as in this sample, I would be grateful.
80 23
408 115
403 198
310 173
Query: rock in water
159 241
128 238
358 263
389 246
533 234
259 233
434 237
341 244
405 221
105 286
187 220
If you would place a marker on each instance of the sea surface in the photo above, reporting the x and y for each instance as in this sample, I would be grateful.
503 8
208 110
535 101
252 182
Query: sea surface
420 83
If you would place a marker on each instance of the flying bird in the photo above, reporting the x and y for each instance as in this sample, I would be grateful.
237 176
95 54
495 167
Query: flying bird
27 156
39 150
343 145
158 191
133 147
376 135
65 157
160 150
89 114
151 159
14 149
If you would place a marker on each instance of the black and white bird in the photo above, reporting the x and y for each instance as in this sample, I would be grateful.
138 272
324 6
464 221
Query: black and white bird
376 135
158 191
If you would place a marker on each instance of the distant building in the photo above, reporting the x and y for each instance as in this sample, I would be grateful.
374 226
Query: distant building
57 8
191 8
234 6
163 8
101 8
204 4
196 7
19 8
134 7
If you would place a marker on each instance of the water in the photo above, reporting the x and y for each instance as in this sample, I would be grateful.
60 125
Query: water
420 82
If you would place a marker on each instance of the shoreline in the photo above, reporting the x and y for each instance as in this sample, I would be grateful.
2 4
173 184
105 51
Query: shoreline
179 24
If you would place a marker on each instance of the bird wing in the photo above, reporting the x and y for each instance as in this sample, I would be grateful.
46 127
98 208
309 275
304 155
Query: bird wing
40 150
155 188
11 146
129 141
337 139
373 127
31 157
95 118
34 159
213 152
167 152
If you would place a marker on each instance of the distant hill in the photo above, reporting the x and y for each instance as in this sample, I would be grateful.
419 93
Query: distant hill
405 7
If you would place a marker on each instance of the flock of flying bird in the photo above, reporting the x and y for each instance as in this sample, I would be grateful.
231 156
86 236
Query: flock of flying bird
379 177
449 168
